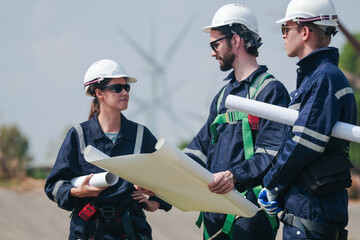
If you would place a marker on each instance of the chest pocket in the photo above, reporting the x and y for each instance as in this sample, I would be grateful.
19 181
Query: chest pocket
137 147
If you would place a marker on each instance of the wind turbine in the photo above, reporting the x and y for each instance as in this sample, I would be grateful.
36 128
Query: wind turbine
160 91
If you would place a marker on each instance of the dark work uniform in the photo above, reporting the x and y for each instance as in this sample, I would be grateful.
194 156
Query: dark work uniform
70 163
228 153
323 97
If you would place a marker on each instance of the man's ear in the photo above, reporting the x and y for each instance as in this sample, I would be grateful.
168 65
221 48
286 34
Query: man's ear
236 41
305 32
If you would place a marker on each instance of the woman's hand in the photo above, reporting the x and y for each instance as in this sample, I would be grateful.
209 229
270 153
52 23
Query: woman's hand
151 205
85 190
144 190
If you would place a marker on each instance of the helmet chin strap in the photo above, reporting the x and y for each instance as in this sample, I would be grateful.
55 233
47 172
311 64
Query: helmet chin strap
331 31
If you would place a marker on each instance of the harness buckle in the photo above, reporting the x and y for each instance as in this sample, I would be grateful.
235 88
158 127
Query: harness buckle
287 215
230 117
107 211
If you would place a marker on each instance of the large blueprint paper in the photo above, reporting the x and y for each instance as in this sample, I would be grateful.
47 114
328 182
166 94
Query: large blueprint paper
175 178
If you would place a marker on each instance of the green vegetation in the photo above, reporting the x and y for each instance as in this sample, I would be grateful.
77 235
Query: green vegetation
349 59
13 153
350 62
355 147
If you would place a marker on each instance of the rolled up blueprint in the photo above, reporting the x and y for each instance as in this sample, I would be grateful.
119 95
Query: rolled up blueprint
104 179
287 116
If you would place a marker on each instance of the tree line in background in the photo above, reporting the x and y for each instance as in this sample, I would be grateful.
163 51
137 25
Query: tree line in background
350 64
14 147
14 153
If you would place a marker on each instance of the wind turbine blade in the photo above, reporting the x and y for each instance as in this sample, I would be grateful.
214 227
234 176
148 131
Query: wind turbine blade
180 37
148 58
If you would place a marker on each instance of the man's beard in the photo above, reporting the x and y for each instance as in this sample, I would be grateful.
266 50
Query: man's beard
227 61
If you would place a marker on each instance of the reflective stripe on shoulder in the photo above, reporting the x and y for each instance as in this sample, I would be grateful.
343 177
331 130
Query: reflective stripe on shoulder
254 87
311 133
295 106
308 144
80 133
267 151
197 153
343 92
56 189
220 99
265 83
139 139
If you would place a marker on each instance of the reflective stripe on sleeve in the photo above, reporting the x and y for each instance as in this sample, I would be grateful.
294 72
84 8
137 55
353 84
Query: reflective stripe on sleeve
80 132
197 153
343 92
311 133
308 144
56 189
267 151
139 138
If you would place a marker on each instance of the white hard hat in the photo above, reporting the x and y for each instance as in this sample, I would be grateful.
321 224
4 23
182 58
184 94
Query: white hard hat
320 12
234 13
102 69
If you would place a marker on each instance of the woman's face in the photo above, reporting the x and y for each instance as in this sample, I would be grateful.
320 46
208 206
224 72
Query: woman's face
113 98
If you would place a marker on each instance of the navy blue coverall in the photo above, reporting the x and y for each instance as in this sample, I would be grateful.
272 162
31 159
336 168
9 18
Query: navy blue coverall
228 154
70 163
323 97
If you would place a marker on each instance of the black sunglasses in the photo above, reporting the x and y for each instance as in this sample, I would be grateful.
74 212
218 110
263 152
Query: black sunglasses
117 87
212 44
285 28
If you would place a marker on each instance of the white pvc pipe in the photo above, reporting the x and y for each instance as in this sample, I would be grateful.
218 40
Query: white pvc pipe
287 116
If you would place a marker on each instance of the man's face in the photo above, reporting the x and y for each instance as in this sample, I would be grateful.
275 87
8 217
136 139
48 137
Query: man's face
292 39
221 50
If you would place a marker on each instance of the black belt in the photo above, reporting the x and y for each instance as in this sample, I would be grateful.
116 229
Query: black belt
330 231
111 213
128 226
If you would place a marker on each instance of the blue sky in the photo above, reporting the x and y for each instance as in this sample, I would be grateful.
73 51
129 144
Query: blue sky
47 46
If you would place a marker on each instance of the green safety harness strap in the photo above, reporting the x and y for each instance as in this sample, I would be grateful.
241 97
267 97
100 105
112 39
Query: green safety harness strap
231 117
230 219
227 228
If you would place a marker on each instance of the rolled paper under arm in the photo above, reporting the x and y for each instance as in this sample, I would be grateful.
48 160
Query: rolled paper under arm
104 179
287 116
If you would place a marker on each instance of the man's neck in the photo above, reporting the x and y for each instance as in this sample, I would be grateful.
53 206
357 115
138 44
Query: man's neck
244 67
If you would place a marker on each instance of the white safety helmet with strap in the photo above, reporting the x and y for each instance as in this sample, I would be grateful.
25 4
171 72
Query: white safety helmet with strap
102 69
320 12
234 13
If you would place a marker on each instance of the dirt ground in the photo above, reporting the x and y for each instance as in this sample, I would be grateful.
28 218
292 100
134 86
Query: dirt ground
29 214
